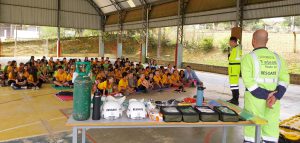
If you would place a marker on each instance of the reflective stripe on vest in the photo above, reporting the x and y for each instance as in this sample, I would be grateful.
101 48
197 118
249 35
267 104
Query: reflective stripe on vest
257 70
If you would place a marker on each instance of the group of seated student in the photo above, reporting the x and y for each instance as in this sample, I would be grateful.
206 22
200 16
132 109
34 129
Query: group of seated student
122 76
31 75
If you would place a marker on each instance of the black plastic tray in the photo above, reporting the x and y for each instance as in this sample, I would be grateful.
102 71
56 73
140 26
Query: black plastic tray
189 114
171 114
230 116
206 114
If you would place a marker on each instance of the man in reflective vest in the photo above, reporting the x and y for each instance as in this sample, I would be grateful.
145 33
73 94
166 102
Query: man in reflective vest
266 78
234 69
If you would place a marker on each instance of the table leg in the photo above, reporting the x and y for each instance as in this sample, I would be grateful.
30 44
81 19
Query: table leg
83 134
74 135
224 137
257 134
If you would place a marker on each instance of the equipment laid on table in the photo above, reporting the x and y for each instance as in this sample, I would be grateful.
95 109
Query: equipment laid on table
82 92
136 109
112 107
226 114
96 107
171 114
207 114
188 114
290 130
200 97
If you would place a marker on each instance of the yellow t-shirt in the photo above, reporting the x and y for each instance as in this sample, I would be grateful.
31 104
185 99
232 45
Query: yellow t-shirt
30 78
9 69
157 79
69 76
175 78
102 85
118 75
122 84
10 76
146 73
26 74
166 80
61 77
139 82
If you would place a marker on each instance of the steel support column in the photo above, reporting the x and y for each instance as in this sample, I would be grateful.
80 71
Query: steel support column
101 44
122 15
58 48
182 4
145 30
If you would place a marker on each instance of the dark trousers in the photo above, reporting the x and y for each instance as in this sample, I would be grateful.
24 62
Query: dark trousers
11 81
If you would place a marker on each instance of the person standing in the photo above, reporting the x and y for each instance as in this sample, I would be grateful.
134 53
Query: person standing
266 79
234 69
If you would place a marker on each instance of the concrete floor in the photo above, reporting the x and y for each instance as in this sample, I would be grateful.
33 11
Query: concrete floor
217 87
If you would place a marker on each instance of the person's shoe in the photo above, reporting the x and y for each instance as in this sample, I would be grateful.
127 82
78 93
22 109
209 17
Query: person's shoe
233 101
37 88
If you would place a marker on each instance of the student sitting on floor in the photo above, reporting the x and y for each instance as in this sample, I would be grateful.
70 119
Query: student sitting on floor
26 72
106 87
167 80
176 81
60 78
12 76
132 81
33 80
118 75
143 84
157 80
21 81
150 80
70 76
44 75
123 85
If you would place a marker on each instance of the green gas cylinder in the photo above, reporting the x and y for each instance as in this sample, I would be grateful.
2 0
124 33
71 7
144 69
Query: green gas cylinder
82 92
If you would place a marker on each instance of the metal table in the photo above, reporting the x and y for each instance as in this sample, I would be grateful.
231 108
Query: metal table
124 122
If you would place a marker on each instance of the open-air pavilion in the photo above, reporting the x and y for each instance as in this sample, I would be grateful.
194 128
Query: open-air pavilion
38 116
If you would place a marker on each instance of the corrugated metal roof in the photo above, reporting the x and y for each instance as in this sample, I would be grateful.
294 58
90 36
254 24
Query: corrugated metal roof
107 6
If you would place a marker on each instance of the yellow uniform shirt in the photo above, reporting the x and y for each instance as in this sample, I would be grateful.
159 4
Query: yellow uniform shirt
122 84
146 73
61 77
9 69
175 78
69 76
30 78
166 80
10 76
157 79
26 74
103 85
140 81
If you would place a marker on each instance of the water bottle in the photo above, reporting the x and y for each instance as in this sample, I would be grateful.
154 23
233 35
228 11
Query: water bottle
199 99
96 107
